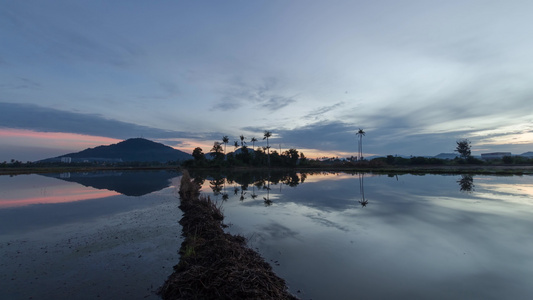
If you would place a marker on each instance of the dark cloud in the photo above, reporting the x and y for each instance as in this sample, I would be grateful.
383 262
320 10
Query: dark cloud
322 110
33 117
277 102
393 136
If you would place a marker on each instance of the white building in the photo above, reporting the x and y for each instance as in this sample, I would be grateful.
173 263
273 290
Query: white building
66 160
494 155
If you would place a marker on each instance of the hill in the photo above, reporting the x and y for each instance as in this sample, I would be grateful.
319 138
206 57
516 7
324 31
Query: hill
130 150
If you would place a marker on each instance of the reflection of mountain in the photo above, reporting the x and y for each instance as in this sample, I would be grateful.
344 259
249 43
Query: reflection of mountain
129 183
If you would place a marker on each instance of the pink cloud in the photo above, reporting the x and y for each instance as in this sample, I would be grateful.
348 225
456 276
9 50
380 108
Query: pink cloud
22 137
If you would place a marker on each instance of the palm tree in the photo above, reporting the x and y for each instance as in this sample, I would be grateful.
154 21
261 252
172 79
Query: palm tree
360 133
242 140
253 140
225 140
266 135
236 144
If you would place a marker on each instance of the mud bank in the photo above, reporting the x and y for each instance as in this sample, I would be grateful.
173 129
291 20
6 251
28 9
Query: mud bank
215 264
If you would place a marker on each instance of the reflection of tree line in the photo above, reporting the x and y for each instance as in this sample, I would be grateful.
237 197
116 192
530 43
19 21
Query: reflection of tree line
241 182
246 184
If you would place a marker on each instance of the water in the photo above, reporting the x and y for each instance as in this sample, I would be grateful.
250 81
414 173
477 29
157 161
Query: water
343 236
332 236
79 236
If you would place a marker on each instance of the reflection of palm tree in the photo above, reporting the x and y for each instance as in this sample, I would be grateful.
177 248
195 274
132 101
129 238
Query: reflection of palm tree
225 195
360 133
266 199
254 195
363 201
466 183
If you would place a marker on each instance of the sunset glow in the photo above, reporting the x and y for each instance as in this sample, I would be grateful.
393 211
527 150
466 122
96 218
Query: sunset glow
55 139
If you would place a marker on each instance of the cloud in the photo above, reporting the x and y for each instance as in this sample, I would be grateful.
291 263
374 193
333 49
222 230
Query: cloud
21 83
264 95
72 36
33 117
277 102
320 111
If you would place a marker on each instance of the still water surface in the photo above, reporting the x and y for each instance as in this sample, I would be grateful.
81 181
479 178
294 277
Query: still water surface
347 236
330 235
108 235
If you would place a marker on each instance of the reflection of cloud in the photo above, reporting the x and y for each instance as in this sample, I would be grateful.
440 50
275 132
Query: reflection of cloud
20 192
325 222
278 231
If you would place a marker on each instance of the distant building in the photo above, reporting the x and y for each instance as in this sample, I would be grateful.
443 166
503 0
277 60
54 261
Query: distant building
66 160
494 155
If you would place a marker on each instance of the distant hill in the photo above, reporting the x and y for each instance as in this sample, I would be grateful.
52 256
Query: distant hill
131 150
527 154
446 155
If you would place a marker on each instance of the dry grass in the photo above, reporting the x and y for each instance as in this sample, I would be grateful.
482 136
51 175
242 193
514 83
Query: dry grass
215 264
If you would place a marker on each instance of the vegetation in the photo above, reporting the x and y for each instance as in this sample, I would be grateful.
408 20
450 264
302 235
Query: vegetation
246 157
463 148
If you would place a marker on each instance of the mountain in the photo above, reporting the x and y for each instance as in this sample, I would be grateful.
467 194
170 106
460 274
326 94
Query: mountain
446 155
527 154
131 150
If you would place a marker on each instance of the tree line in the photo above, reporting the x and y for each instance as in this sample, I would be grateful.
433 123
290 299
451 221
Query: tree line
245 156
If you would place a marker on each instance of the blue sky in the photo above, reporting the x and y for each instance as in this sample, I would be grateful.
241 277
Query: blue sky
415 75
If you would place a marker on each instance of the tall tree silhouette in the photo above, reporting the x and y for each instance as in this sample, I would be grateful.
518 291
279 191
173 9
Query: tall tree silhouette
236 144
225 140
242 140
253 140
360 133
266 135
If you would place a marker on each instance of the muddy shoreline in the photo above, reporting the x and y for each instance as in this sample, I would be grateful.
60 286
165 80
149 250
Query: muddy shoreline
215 264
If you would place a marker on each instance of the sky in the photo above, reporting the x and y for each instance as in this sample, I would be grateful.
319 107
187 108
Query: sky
416 76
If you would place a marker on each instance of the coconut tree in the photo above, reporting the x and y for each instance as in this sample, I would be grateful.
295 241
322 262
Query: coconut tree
236 144
253 140
242 140
360 133
225 140
266 135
